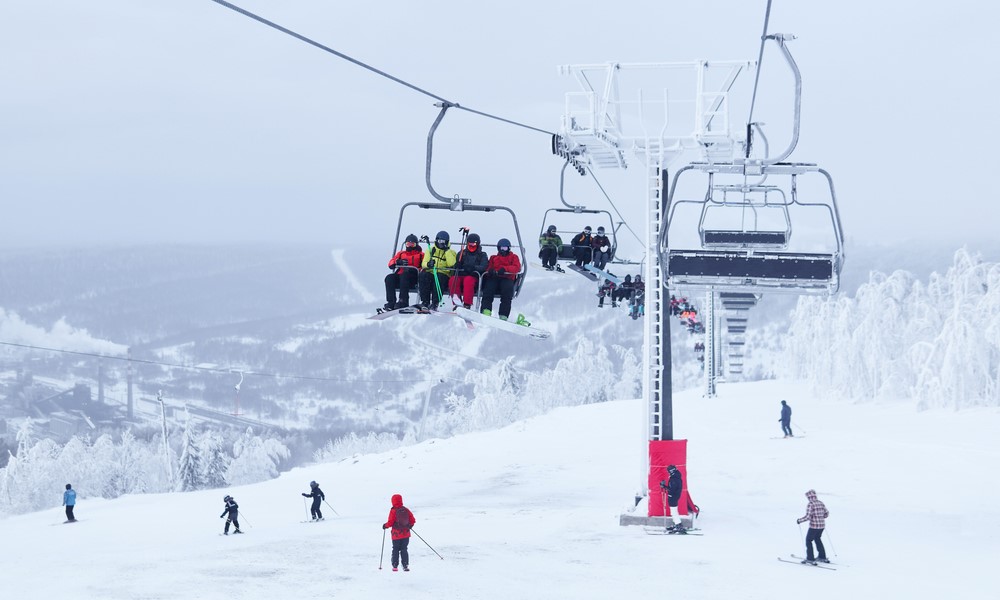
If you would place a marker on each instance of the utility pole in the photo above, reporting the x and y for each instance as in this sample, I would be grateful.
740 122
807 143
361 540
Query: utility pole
128 379
166 446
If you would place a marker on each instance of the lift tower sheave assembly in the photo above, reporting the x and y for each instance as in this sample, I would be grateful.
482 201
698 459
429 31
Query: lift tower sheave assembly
657 113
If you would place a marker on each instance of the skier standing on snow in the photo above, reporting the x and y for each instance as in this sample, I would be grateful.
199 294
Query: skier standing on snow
232 509
786 419
674 486
401 520
69 501
816 513
317 495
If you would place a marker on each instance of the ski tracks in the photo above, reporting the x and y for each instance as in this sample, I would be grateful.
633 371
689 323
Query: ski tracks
349 278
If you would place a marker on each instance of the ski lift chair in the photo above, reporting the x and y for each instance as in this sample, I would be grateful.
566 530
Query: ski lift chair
461 205
516 245
751 257
567 252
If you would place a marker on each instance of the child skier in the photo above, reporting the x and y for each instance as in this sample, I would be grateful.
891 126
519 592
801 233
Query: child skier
401 520
232 509
317 495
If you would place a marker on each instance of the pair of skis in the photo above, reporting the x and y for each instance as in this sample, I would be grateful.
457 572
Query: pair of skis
470 317
798 560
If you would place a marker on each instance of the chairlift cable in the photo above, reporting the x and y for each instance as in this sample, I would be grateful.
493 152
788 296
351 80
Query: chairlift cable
601 187
357 62
756 79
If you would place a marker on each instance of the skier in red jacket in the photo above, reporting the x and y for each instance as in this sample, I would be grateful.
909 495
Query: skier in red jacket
405 265
401 520
501 272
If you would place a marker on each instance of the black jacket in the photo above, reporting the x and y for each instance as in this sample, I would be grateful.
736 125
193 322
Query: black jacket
231 507
317 494
674 487
470 263
786 412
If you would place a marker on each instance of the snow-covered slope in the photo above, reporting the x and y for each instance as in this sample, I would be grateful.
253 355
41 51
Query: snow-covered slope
531 511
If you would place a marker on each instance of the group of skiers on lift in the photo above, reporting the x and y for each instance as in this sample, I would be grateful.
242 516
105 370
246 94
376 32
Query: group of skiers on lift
587 247
687 314
632 291
440 270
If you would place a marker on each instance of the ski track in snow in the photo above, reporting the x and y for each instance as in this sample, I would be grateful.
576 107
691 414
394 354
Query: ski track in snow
349 277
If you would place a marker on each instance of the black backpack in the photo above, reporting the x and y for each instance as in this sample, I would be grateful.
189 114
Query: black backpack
402 518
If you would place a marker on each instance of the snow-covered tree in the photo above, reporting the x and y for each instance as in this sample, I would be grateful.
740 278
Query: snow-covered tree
937 343
255 459
215 461
190 471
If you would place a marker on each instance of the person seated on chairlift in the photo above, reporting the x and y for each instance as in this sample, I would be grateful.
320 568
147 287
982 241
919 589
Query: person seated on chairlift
438 262
470 265
501 273
601 249
607 289
582 247
406 266
550 245
624 291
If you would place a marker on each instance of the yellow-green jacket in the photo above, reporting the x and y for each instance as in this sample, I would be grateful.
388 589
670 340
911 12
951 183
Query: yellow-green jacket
444 260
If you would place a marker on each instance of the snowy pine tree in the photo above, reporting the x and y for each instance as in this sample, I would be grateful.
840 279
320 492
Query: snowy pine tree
215 461
255 459
190 472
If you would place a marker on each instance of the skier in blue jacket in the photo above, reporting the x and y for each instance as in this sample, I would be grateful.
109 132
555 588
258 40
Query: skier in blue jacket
317 495
232 510
69 501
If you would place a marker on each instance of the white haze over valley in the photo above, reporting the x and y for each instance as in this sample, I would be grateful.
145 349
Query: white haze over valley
217 201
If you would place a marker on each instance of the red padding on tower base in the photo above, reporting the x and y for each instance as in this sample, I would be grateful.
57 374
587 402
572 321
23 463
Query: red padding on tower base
661 454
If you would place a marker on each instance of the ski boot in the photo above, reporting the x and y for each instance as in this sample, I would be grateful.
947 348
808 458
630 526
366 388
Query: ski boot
487 312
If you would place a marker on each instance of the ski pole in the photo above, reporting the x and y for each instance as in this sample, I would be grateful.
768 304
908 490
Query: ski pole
797 425
425 542
830 539
244 517
331 508
663 495
305 507
382 554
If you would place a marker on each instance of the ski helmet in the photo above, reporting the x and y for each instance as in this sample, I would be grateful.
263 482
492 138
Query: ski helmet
227 498
551 229
411 239
473 239
587 229
503 246
600 231
313 484
68 486
442 239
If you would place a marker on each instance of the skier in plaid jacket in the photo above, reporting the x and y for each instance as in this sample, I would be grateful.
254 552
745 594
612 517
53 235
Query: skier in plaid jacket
816 514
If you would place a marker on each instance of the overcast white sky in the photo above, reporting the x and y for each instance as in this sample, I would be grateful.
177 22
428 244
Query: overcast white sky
180 120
